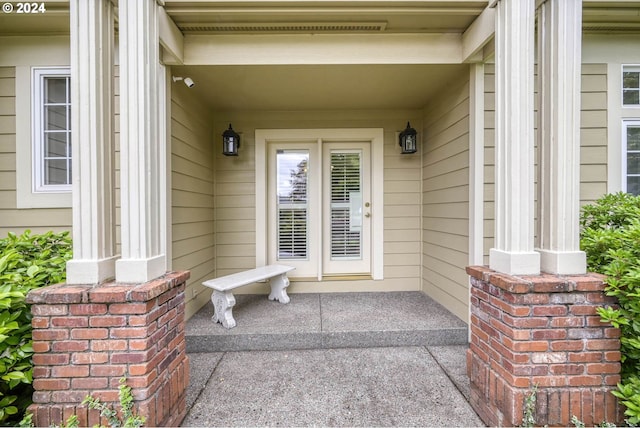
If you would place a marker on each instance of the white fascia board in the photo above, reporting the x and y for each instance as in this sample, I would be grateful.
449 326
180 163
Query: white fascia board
478 35
171 39
304 49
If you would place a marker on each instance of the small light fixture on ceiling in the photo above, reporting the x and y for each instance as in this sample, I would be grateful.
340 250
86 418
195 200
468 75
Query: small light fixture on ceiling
230 142
409 140
187 81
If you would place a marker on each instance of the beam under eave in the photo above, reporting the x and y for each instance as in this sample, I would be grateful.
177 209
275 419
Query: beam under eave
305 49
478 35
171 39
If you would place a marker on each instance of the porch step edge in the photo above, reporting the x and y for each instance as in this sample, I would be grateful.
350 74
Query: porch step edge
326 340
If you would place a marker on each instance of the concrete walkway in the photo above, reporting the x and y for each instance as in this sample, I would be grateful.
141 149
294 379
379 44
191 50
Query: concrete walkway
398 371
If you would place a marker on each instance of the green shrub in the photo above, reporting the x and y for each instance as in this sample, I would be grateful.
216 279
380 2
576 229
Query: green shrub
611 239
26 262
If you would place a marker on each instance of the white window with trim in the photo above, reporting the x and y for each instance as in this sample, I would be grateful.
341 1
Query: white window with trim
323 203
631 85
51 130
631 153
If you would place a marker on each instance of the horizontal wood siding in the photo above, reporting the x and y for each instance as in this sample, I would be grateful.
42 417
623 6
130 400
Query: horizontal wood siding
489 159
593 133
445 195
235 196
38 220
192 197
593 142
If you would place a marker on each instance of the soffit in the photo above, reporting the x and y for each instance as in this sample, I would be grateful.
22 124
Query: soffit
611 16
318 87
54 21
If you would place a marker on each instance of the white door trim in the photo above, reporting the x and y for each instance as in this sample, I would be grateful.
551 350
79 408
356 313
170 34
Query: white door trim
374 135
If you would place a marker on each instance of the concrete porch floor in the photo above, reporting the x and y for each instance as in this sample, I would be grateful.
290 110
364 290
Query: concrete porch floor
328 321
353 359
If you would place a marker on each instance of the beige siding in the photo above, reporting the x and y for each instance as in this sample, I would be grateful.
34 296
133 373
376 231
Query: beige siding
489 159
593 133
192 199
15 220
445 195
235 196
593 141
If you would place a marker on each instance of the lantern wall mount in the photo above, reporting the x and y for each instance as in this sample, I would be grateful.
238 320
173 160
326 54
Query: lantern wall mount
408 140
230 142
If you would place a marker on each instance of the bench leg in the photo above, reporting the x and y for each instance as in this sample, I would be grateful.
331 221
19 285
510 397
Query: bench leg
279 286
223 302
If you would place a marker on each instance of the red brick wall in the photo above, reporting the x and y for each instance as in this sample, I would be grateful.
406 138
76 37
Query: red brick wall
541 330
86 338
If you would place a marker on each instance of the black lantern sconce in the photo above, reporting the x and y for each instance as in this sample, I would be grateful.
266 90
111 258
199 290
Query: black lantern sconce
409 140
230 142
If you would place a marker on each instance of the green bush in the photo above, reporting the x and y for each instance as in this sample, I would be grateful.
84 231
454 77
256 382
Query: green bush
26 262
611 239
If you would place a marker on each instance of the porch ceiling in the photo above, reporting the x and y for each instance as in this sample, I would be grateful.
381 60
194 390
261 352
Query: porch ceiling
318 87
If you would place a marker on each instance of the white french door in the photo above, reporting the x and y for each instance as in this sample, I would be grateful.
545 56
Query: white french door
319 209
346 209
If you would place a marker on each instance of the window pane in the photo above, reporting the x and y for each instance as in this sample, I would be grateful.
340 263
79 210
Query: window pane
292 188
633 163
56 118
346 205
633 185
631 79
292 234
633 137
630 96
55 144
56 90
55 171
292 177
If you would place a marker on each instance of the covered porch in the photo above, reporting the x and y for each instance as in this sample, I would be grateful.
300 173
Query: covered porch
321 68
315 76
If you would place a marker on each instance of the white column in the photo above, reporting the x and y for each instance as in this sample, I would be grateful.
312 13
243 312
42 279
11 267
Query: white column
559 59
514 188
141 144
92 38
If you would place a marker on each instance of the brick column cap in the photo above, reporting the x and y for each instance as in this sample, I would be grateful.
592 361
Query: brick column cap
542 283
107 292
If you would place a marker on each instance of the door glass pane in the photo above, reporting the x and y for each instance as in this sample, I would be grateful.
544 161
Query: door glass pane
346 205
292 206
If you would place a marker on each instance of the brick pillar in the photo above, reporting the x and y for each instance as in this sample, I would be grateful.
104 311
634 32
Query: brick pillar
541 330
86 337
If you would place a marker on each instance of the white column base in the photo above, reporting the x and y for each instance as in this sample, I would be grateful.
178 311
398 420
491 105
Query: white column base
563 262
91 271
140 270
512 263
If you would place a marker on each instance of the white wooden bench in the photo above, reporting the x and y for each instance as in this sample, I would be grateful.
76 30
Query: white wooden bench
223 299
